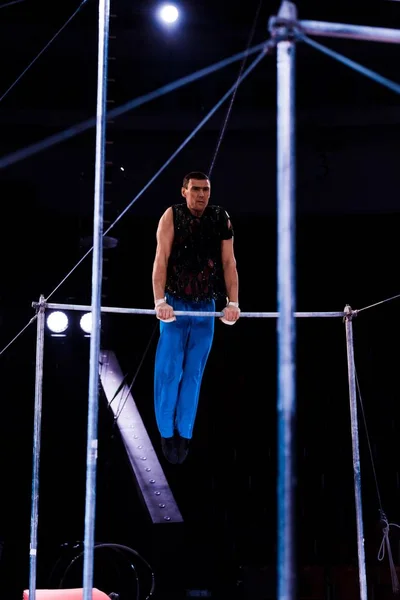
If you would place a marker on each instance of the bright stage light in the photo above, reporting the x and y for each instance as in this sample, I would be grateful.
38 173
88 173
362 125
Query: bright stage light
57 322
86 322
168 13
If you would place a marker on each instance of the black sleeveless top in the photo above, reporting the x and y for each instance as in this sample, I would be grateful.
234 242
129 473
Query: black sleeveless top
195 266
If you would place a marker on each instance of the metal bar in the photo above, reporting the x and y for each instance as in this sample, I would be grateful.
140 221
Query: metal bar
150 478
286 200
352 64
355 32
36 448
356 452
93 400
189 313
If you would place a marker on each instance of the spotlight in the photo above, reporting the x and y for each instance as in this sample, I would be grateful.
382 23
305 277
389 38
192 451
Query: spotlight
86 323
57 322
168 13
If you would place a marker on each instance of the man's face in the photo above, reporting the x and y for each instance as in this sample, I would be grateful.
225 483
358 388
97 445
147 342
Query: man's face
197 194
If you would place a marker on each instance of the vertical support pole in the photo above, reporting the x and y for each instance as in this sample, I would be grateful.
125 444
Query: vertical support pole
286 563
97 261
356 452
36 447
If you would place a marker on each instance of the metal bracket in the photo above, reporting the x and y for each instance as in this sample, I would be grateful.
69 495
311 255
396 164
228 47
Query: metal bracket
349 313
284 25
41 305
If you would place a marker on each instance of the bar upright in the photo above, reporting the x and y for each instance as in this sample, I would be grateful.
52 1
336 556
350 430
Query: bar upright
286 563
37 426
97 270
356 452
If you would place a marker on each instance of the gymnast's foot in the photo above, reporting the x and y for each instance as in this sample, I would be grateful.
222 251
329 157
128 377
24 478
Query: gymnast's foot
169 449
182 445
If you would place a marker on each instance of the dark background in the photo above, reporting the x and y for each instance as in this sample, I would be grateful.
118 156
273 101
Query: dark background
347 252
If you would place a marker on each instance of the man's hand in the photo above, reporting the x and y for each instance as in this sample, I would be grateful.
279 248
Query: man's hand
165 312
231 314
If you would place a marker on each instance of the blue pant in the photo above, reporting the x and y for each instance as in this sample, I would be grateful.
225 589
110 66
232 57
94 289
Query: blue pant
182 352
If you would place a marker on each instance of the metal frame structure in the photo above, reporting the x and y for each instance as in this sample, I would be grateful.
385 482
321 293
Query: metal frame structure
285 29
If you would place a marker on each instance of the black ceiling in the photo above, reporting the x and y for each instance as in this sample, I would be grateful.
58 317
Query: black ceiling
59 90
143 56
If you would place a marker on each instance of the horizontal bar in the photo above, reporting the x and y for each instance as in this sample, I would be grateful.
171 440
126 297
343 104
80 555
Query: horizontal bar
355 32
183 313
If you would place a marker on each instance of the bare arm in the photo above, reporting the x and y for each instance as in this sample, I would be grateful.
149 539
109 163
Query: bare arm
230 272
165 237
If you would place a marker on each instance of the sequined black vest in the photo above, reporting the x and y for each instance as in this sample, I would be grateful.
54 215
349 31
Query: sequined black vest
195 267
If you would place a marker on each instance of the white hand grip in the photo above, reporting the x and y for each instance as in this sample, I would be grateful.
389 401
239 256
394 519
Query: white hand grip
227 322
167 320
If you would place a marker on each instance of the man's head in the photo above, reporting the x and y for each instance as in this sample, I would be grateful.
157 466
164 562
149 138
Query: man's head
196 191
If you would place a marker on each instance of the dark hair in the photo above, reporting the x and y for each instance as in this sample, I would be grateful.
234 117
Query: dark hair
194 175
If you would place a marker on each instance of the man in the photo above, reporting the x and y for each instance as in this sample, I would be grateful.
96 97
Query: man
193 266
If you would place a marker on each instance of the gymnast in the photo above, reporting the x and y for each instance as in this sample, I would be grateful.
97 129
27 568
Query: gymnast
194 265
